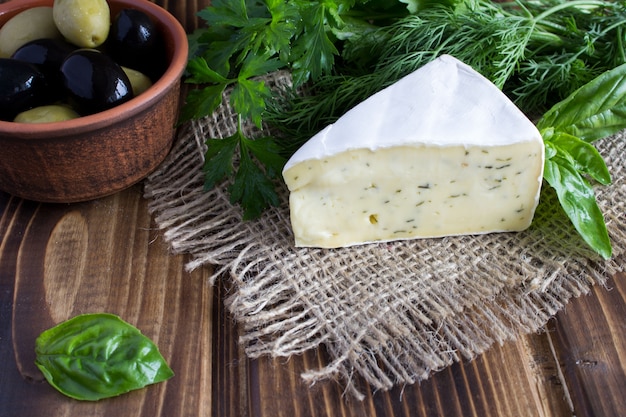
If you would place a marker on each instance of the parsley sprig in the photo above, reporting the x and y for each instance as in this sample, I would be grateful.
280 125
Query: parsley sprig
252 186
244 40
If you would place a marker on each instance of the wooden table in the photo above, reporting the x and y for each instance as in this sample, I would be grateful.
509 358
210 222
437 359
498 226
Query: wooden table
57 261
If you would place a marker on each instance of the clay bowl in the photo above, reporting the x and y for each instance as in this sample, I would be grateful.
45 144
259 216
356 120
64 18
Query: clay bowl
100 154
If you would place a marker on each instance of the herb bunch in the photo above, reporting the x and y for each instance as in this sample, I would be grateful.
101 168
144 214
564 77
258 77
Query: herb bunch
246 39
549 56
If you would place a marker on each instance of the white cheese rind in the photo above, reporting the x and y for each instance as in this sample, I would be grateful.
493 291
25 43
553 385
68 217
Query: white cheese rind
441 152
445 102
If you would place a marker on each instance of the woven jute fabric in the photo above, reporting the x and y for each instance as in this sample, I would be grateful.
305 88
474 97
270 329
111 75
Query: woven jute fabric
387 314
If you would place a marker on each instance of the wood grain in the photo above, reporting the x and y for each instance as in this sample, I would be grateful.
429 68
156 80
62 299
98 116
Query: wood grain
106 255
591 350
186 11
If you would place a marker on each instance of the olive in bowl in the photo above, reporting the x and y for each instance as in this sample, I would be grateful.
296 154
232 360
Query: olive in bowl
135 42
101 153
94 81
22 86
47 54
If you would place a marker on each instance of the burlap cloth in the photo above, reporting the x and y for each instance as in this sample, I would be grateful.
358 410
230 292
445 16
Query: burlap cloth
389 313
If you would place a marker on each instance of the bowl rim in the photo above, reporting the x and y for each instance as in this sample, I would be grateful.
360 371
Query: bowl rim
172 75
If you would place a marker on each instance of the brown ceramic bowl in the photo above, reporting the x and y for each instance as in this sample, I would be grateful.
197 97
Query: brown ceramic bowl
100 154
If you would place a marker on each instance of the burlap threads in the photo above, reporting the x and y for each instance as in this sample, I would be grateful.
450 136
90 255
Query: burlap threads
388 314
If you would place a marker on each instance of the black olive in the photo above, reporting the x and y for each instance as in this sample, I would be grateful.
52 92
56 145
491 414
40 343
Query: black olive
22 87
135 42
94 81
47 55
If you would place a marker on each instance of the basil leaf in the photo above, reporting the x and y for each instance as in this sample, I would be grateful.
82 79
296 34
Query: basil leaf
581 155
594 111
95 356
578 201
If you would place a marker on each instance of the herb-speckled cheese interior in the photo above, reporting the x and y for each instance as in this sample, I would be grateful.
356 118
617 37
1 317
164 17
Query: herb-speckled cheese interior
406 192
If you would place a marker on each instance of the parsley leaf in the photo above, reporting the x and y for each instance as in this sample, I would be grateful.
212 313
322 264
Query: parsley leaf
218 164
314 52
253 188
249 96
202 102
260 164
226 13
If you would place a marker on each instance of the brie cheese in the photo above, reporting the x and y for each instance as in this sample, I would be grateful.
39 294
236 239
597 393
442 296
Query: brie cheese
441 152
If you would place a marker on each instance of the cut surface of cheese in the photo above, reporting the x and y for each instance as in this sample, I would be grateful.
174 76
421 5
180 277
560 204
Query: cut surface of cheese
441 152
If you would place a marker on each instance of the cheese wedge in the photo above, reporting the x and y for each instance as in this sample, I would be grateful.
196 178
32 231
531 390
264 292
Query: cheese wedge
441 152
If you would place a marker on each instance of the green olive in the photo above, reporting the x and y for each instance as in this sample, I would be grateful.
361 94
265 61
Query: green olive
138 80
26 26
46 114
85 23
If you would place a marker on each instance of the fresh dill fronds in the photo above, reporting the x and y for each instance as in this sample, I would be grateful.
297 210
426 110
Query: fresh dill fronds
537 52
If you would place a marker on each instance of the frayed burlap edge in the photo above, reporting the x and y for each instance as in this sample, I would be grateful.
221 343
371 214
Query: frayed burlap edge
390 313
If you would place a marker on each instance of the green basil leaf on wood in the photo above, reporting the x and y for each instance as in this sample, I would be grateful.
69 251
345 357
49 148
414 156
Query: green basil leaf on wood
96 356
594 111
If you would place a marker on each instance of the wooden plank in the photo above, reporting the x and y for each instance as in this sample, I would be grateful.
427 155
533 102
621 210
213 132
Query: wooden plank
185 11
591 349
